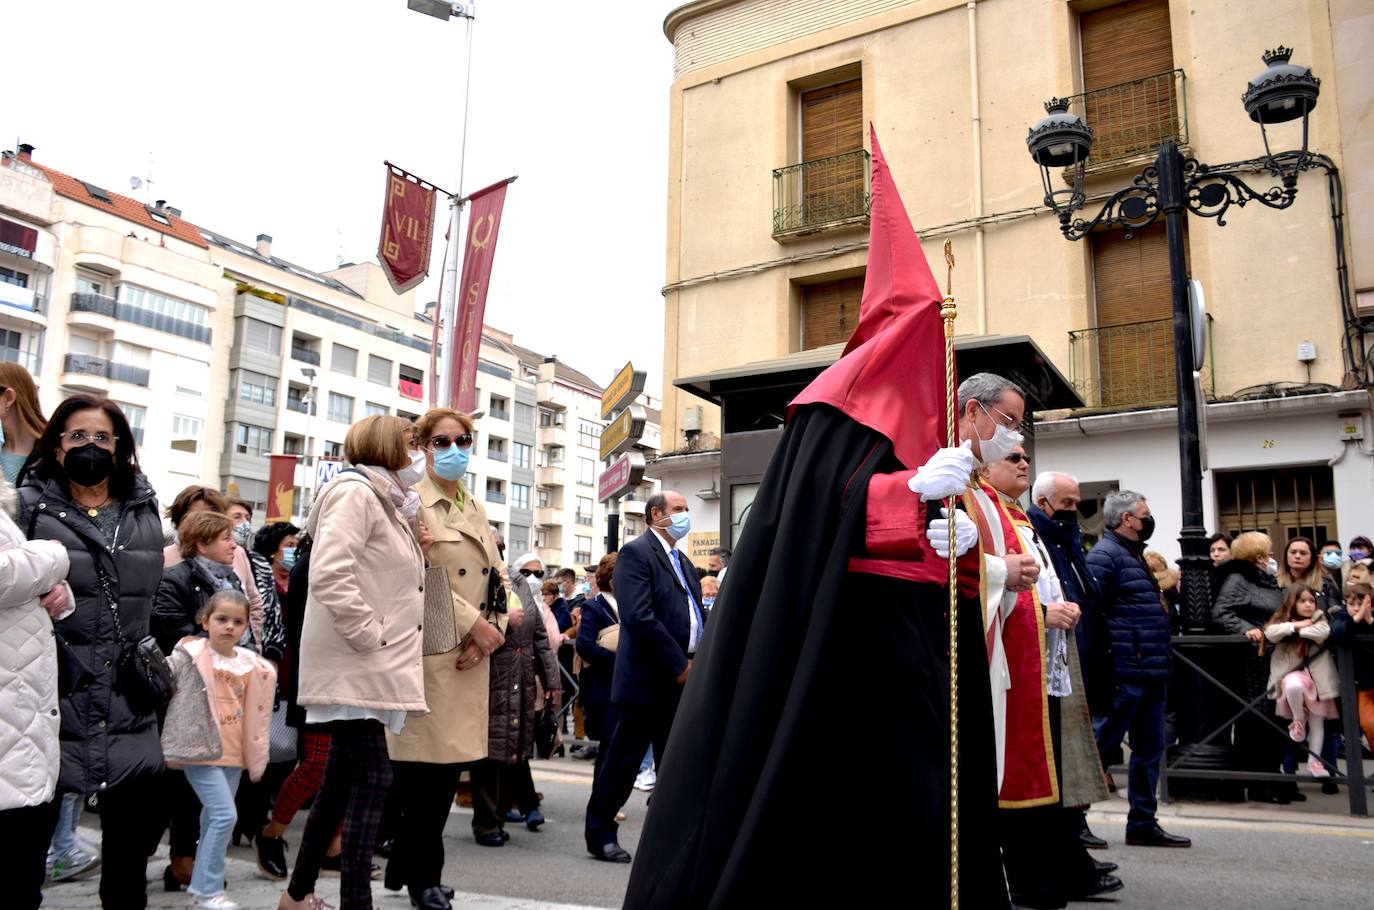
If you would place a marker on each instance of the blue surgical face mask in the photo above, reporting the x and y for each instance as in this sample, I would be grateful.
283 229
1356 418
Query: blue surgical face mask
451 463
288 557
680 523
708 602
1332 559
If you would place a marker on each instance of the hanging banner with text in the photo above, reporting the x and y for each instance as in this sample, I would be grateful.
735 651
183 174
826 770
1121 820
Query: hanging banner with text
281 488
407 229
484 223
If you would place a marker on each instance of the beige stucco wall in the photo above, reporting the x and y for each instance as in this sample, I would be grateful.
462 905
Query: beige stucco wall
1269 276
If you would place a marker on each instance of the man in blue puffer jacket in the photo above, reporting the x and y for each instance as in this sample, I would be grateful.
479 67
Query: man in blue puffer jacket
1138 624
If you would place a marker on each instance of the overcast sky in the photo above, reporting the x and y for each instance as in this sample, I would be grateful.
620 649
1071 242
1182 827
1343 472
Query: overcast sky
274 116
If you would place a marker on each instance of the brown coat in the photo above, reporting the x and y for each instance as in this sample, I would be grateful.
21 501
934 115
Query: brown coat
360 642
455 730
525 657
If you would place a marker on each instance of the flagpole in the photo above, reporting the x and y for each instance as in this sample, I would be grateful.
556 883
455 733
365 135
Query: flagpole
448 286
948 311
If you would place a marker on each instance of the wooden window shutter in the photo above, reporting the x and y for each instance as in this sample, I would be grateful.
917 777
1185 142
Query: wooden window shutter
830 311
1135 342
1125 42
832 120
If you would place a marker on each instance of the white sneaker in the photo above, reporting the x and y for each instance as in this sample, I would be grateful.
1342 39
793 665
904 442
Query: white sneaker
75 862
219 901
645 780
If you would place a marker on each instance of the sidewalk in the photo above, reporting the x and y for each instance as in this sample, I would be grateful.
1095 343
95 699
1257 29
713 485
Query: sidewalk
1320 811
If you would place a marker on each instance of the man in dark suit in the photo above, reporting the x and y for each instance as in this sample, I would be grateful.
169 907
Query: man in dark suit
661 622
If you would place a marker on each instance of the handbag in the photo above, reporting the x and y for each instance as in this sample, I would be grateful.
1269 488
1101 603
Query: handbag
189 731
281 737
441 628
546 730
142 674
609 637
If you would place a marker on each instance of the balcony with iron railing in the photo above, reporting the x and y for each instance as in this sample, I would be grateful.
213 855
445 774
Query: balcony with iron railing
111 308
825 194
1133 119
1127 366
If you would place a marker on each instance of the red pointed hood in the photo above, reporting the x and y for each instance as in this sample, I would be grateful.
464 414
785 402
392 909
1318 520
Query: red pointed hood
891 377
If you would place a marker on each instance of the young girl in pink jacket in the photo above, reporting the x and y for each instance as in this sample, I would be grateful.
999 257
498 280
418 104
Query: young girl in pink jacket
217 726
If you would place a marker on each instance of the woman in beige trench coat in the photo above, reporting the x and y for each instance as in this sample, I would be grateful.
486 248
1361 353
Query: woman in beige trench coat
430 752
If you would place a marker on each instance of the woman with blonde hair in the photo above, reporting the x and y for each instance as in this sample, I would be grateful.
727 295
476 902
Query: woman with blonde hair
360 652
21 418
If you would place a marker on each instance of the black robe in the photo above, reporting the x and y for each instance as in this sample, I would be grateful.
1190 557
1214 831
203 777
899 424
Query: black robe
810 755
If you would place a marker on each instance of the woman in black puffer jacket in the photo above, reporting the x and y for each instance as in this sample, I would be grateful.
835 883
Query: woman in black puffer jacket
85 490
1246 599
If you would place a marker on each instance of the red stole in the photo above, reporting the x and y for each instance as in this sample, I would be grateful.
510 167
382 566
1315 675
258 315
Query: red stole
1029 777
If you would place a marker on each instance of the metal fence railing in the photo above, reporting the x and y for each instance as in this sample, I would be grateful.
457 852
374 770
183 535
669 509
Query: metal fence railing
823 193
1130 365
1135 117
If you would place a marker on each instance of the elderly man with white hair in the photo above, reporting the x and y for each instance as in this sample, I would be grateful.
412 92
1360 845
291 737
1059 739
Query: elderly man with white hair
1054 515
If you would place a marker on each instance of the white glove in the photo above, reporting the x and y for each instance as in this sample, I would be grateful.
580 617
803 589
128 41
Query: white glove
945 474
965 533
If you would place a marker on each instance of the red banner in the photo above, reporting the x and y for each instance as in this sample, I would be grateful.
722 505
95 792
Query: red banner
281 488
466 338
407 229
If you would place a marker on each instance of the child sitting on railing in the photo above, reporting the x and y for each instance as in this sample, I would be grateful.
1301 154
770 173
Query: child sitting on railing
1306 695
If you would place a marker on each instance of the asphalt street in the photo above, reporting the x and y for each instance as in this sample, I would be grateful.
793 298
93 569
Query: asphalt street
1246 858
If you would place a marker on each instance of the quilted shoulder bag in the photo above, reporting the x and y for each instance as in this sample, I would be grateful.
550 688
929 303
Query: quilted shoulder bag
142 674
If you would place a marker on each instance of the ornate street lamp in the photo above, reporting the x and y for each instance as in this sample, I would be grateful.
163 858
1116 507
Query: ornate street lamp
1173 186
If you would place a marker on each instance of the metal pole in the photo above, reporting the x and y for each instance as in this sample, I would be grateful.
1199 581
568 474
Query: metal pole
613 525
1193 535
448 302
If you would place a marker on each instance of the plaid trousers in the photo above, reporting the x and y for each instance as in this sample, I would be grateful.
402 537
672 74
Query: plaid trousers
357 777
305 779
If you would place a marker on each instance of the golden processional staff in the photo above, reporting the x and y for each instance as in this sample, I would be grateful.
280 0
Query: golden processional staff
947 313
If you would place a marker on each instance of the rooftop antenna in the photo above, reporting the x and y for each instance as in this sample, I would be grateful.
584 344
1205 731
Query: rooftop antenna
338 251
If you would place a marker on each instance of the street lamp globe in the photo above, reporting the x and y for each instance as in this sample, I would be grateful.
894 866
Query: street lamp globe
1061 140
1284 91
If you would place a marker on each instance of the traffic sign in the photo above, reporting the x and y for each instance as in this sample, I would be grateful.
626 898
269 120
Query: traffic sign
626 472
623 431
624 388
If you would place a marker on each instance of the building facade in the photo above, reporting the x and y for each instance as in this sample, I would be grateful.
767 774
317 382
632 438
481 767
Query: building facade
221 354
768 218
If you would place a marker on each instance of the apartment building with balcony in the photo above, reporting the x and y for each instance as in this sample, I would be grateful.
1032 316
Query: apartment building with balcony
767 233
103 295
313 352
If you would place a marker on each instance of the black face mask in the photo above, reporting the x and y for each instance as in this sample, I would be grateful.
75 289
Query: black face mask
1147 527
1067 517
88 465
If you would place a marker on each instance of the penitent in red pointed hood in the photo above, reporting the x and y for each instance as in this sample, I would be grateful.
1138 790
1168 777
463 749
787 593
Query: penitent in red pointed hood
892 375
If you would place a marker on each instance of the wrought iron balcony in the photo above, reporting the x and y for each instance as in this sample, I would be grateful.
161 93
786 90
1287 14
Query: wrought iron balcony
1126 366
1132 119
825 193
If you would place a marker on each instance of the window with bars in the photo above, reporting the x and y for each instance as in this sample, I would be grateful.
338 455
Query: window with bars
340 408
258 388
1282 502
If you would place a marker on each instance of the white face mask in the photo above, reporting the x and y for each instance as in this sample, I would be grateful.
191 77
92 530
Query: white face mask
411 474
1004 440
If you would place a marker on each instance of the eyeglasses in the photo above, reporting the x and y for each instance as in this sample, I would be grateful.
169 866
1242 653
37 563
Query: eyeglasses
1017 458
463 441
537 573
1010 422
78 438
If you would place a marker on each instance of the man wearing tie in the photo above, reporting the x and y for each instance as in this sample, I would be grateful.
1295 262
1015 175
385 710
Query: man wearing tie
661 622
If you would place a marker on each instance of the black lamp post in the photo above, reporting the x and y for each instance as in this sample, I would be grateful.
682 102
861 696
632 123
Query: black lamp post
1173 186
